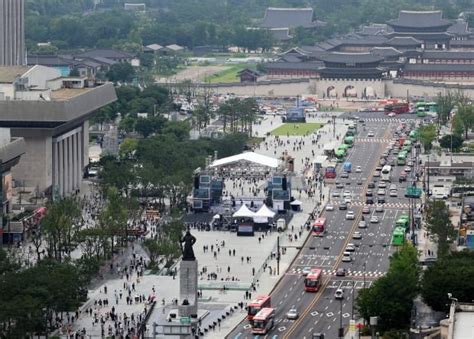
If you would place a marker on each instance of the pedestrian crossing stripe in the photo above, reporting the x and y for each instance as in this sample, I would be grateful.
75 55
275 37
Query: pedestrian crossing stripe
349 273
385 120
378 140
398 205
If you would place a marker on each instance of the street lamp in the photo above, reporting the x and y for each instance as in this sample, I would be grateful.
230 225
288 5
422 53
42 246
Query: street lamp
352 301
341 329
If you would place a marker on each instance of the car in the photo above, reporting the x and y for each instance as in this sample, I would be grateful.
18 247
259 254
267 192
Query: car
395 150
292 314
369 201
382 162
362 224
369 193
348 200
392 114
345 175
343 206
402 177
382 184
357 235
341 272
305 271
393 193
339 294
377 174
381 191
350 215
358 169
366 210
370 134
410 163
381 199
336 194
371 185
329 207
407 169
350 248
379 208
346 257
361 121
374 219
359 182
347 194
339 185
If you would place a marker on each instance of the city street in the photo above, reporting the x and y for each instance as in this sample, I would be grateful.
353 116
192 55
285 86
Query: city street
321 312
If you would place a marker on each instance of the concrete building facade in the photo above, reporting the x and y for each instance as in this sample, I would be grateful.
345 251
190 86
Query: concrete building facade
51 113
12 32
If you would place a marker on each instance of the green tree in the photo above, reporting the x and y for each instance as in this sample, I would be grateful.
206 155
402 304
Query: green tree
122 71
439 225
465 118
451 141
113 218
391 297
453 274
427 135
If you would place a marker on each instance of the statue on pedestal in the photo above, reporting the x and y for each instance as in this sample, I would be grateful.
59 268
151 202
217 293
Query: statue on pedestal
189 240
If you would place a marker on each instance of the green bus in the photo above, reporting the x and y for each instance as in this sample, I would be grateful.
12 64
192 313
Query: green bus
414 134
403 221
398 236
402 158
349 140
422 108
340 154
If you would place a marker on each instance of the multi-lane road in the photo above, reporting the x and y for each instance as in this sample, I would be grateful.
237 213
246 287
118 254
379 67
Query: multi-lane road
320 311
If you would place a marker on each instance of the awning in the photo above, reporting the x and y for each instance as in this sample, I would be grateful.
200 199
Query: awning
244 212
296 203
264 211
260 220
252 157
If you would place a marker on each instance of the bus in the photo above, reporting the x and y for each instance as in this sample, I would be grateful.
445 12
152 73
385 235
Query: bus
414 134
340 154
402 158
319 227
256 305
349 141
313 280
398 236
403 221
386 173
397 108
263 321
330 171
347 167
422 108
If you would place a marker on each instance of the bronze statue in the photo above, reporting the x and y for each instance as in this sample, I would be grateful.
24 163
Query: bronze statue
189 240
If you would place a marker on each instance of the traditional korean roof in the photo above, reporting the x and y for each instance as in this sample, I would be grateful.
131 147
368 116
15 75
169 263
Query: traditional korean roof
328 72
459 28
386 52
403 41
353 58
438 68
106 53
294 65
419 19
281 34
290 58
375 29
462 43
287 17
448 55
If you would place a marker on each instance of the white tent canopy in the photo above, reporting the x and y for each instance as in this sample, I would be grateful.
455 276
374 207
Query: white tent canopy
265 212
296 203
244 212
252 157
260 220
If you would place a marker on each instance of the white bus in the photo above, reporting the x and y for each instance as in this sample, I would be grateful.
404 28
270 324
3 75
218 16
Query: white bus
386 173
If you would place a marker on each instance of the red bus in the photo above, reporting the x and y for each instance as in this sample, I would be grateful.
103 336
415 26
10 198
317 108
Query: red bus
313 280
398 108
330 172
319 226
256 305
263 321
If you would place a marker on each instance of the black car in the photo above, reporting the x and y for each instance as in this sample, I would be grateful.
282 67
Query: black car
339 185
369 193
343 206
371 185
369 201
381 200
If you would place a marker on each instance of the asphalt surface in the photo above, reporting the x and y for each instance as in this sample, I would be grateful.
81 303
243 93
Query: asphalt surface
320 311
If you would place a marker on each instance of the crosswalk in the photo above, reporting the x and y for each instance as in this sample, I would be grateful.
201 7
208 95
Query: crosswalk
394 120
374 140
349 273
395 205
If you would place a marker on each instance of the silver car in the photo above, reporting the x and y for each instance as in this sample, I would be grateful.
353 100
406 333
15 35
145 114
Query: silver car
292 314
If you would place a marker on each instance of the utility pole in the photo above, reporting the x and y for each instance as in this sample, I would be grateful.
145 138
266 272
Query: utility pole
278 255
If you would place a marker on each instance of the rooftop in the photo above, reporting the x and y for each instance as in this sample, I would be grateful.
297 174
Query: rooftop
64 94
385 51
287 17
106 53
403 41
353 58
448 55
8 74
419 19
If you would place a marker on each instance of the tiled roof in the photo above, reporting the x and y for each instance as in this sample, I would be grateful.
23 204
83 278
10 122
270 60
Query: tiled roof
462 43
106 53
355 58
385 51
294 65
448 55
175 47
419 19
403 41
438 68
281 34
460 27
154 47
8 74
49 60
375 29
288 17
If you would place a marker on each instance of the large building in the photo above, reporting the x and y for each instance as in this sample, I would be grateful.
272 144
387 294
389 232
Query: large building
51 113
12 32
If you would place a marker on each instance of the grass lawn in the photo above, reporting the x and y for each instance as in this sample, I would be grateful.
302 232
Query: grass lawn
229 74
296 129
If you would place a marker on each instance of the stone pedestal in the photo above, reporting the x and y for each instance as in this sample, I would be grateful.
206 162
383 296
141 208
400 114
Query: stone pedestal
188 288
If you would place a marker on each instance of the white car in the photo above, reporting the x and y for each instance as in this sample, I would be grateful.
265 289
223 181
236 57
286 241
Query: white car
393 193
346 257
339 294
407 169
347 200
350 215
391 114
358 169
306 270
350 248
374 219
292 314
370 134
362 224
379 208
382 184
347 194
381 191
336 194
329 207
357 235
